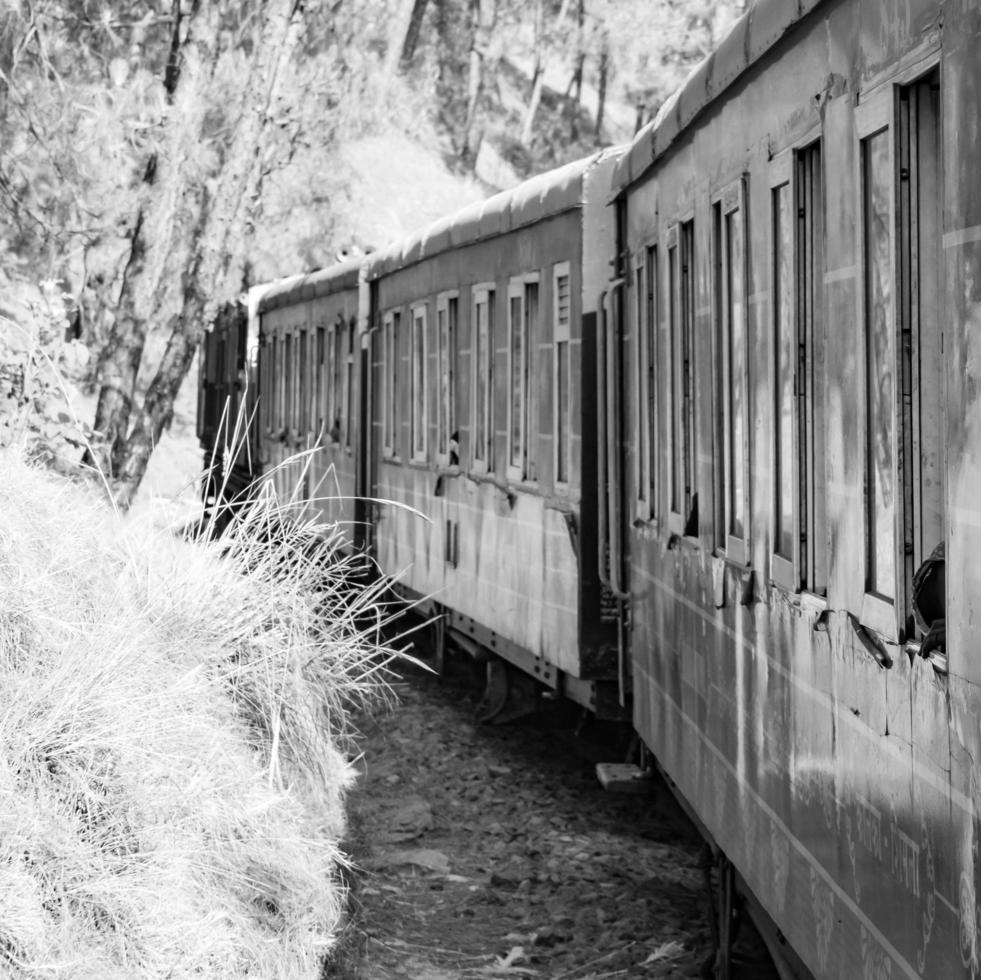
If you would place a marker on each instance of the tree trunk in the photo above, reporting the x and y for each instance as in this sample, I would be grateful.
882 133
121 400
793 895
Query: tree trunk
482 14
224 219
412 33
158 407
120 362
398 29
575 84
604 70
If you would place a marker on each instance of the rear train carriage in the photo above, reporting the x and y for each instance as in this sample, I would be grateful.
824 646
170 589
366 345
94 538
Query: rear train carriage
227 401
796 325
309 413
483 426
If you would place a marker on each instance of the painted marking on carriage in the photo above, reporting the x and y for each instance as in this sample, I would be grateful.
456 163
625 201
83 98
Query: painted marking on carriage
844 274
934 780
817 870
868 825
704 311
963 236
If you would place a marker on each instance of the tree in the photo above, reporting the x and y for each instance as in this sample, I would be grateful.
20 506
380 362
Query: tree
133 154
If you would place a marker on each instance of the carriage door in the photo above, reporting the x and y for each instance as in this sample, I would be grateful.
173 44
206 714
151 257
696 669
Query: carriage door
611 469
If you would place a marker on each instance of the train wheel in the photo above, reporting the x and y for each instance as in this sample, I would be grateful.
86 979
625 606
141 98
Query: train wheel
508 695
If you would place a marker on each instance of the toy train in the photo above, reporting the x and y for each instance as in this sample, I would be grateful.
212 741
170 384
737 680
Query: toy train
692 430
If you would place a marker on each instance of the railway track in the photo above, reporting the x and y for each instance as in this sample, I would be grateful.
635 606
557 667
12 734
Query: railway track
488 852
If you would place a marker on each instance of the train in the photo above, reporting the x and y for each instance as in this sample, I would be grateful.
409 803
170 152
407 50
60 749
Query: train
689 433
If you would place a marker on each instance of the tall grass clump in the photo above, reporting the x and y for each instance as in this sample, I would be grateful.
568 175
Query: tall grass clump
173 739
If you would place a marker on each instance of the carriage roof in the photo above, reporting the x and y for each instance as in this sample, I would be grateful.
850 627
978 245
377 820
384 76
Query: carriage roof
751 37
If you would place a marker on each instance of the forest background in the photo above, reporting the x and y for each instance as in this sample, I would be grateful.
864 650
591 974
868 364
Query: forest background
158 157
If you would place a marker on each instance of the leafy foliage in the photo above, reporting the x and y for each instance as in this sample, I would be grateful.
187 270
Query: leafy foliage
142 145
37 369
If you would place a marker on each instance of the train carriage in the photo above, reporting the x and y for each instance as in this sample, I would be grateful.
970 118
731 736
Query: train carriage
227 399
789 349
483 434
308 419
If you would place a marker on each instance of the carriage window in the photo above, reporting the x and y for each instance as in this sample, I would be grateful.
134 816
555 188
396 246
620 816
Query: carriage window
418 384
304 415
641 394
731 366
532 334
335 374
265 379
800 544
880 357
562 322
390 369
483 356
349 385
785 357
649 405
446 327
684 501
289 375
919 232
319 382
810 268
275 409
522 314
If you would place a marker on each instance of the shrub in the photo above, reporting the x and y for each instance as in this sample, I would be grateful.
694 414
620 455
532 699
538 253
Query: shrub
173 727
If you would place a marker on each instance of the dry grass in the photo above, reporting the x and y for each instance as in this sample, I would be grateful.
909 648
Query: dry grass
172 740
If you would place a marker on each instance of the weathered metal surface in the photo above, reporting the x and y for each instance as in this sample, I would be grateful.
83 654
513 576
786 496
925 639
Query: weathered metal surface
226 392
513 563
533 201
749 40
309 454
846 795
299 289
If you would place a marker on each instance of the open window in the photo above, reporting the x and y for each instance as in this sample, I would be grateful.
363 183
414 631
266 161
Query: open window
390 374
683 496
522 335
482 347
800 549
418 390
729 251
349 332
561 367
447 437
900 145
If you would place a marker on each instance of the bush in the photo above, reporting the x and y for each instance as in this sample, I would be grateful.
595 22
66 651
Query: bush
38 375
172 732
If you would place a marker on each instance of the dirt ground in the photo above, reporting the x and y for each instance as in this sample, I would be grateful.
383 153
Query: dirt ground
493 852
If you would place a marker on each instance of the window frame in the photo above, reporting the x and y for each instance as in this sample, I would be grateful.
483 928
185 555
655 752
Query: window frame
561 334
873 115
640 383
784 570
729 200
446 402
683 413
350 382
518 290
319 359
418 386
652 301
391 322
482 457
